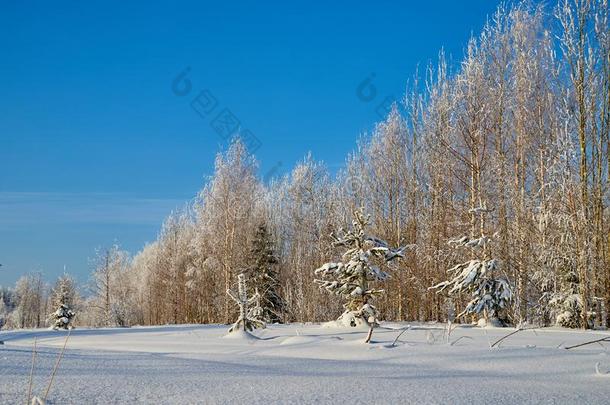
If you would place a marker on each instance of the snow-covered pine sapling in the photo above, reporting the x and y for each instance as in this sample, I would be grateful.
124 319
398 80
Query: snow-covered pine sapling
567 304
249 308
489 294
62 318
350 279
63 297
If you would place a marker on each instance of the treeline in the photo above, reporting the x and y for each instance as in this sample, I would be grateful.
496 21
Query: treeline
31 302
520 132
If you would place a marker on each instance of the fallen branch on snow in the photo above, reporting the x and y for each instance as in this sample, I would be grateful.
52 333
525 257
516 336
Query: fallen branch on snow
509 335
399 335
460 338
606 339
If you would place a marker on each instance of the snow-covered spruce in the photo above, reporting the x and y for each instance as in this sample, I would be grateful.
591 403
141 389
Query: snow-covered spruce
63 297
263 278
566 304
350 278
490 295
62 318
249 317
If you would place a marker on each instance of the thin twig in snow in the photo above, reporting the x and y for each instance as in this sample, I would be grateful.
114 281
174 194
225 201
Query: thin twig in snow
399 335
61 354
606 339
458 339
513 333
27 402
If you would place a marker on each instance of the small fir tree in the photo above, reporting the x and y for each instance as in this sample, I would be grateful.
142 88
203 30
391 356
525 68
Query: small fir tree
63 297
490 295
249 317
351 278
263 276
567 303
62 318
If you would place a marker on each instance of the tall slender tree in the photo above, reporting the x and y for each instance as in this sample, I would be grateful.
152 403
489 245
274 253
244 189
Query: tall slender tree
263 276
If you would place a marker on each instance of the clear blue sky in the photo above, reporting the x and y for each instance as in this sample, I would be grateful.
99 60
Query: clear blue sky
96 147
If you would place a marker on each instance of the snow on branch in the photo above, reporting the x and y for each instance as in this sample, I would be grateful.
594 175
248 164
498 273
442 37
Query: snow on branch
479 210
465 241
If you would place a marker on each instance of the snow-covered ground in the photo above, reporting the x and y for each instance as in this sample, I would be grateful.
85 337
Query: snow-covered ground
306 364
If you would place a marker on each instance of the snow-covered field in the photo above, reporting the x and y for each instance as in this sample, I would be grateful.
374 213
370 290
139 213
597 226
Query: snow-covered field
306 364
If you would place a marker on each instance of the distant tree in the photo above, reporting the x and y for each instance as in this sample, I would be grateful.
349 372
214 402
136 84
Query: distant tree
63 300
64 292
62 318
3 311
30 292
225 213
171 268
263 276
7 306
109 304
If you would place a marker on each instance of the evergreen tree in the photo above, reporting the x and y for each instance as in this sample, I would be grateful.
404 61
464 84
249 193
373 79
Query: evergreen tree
567 303
7 305
62 318
64 292
263 276
63 297
490 295
350 279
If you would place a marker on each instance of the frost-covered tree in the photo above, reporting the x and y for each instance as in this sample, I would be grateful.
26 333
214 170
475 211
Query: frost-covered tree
7 305
109 284
225 217
3 312
567 303
62 318
490 294
143 269
263 276
382 176
63 299
303 211
64 292
350 279
249 308
30 292
173 261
